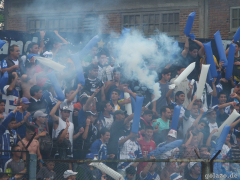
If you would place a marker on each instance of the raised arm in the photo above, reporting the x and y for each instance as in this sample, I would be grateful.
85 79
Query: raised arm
4 125
25 119
201 50
103 96
73 95
226 52
191 103
208 143
64 133
189 94
146 168
42 34
53 111
195 123
63 40
88 122
214 93
81 130
235 123
122 141
186 48
168 96
90 99
130 92
129 118
108 85
13 83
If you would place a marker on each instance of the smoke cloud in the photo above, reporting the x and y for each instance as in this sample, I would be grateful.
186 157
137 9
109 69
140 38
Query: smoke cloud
137 53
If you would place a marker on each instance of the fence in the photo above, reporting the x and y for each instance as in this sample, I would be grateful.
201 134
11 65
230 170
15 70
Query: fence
94 169
107 169
54 169
14 168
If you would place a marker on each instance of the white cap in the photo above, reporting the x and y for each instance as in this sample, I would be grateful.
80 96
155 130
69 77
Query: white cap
172 133
68 173
191 164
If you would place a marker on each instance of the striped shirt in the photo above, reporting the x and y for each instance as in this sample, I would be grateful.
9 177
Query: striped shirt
11 99
7 139
234 153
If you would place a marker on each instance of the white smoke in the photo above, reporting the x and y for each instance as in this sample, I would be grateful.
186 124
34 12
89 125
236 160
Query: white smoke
133 51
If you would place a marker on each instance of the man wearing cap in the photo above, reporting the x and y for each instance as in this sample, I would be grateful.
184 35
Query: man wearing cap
22 117
42 134
211 117
87 172
172 136
60 123
39 119
194 171
69 175
117 129
11 93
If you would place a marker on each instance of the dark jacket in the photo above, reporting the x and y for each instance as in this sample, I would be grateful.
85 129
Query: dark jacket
10 63
35 106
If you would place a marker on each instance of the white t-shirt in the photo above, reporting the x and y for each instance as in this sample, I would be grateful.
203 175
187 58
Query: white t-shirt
108 121
204 94
15 62
62 125
70 106
212 126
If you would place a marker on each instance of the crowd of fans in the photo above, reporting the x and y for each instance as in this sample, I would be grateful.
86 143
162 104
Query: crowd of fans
92 121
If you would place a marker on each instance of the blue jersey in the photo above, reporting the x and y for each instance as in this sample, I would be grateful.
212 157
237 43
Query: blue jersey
226 110
182 111
99 149
21 130
150 176
7 139
10 98
4 65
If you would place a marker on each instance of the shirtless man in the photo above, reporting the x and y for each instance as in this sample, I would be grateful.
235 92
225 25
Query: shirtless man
27 83
33 148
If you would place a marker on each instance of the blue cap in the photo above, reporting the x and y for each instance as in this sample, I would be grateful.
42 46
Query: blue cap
24 100
90 156
175 176
29 56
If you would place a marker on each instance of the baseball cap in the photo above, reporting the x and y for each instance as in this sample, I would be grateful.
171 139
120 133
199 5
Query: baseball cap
175 176
210 110
95 114
66 108
191 164
172 133
24 100
119 112
39 114
90 156
77 106
68 173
